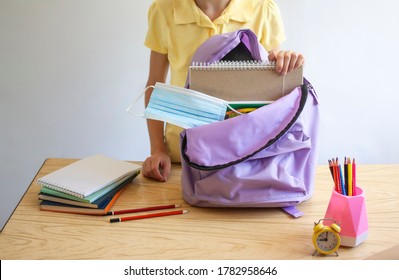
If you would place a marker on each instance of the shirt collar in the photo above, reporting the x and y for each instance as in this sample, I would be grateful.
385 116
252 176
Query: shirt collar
186 11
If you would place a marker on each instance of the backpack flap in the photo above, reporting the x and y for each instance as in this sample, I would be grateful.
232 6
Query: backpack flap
217 47
266 158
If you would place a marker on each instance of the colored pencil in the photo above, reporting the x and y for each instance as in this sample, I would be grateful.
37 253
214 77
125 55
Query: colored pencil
346 174
350 184
330 166
344 180
341 178
338 177
153 215
335 176
136 210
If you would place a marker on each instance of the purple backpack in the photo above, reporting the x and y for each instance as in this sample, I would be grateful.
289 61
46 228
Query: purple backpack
266 158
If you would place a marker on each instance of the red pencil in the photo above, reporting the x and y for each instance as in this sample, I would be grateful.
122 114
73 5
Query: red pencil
336 178
154 215
136 210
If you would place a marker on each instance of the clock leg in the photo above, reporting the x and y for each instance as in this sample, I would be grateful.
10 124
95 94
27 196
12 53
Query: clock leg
336 253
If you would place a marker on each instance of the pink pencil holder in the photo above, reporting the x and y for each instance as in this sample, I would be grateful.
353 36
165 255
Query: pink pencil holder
350 212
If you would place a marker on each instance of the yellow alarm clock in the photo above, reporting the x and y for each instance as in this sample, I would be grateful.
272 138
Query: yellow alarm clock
326 239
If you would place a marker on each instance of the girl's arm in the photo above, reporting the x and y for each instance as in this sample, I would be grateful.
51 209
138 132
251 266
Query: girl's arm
158 164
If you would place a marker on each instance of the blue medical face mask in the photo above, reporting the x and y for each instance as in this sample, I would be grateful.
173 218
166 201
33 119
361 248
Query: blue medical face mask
184 107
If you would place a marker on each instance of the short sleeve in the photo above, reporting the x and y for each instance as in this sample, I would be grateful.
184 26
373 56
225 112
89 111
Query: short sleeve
155 39
274 33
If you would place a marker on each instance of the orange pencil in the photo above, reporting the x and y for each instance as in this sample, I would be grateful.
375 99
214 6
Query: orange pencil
336 176
154 215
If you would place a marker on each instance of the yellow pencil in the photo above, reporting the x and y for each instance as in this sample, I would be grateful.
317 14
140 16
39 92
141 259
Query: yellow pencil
349 177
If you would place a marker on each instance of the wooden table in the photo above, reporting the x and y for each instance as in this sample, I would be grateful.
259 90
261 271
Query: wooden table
203 233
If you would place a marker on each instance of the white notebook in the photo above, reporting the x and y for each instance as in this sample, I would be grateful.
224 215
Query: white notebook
88 175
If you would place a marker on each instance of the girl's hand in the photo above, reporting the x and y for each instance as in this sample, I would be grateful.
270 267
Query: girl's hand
157 166
286 61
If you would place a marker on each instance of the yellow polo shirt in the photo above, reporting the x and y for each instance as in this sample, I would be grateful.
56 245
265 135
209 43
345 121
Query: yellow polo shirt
178 27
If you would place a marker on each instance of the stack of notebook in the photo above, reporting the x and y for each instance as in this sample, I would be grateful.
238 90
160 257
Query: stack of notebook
88 186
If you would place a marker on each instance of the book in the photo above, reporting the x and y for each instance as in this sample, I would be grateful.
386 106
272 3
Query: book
90 198
237 108
243 80
103 208
89 175
248 104
94 202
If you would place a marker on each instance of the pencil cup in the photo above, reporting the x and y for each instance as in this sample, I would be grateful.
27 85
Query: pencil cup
350 212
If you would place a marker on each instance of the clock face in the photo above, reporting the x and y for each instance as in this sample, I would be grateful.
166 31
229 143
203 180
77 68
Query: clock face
327 241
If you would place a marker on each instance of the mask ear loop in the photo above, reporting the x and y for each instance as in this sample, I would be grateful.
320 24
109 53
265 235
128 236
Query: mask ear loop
234 110
135 102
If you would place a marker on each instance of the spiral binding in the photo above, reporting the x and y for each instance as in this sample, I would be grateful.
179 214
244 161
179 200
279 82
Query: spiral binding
60 188
253 65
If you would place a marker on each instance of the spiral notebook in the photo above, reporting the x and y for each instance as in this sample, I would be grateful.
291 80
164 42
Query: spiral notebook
86 176
243 80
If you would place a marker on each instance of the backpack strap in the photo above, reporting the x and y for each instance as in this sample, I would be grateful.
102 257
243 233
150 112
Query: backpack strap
293 211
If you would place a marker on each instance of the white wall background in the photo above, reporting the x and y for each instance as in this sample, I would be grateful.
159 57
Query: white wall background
69 69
